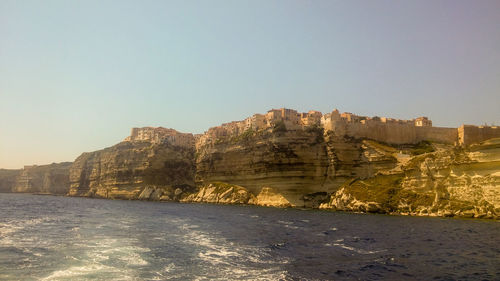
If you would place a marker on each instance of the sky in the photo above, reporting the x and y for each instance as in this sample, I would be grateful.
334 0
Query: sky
76 76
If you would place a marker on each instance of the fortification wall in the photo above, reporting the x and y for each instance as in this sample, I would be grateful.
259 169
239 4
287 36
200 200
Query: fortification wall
383 132
468 134
401 133
387 130
437 134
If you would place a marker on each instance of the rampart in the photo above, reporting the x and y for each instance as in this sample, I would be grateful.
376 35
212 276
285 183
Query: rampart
387 130
468 134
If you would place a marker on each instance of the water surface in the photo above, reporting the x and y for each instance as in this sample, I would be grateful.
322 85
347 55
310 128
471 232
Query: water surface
64 238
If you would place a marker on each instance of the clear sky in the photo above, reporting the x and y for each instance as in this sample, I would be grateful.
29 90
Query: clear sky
75 76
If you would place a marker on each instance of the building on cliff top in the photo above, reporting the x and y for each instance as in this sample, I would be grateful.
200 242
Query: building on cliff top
161 135
384 129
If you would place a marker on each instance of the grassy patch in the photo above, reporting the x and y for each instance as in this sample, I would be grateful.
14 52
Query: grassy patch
378 189
246 135
421 148
386 190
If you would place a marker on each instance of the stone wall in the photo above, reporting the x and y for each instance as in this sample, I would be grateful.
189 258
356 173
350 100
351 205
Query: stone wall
468 134
386 129
396 131
437 134
383 132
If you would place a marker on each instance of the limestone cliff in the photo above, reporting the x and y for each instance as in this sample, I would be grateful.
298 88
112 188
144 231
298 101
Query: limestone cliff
48 179
8 179
293 163
220 193
159 168
450 181
223 193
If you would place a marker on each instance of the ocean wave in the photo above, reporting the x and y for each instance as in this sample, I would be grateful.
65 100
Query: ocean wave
359 251
288 224
85 272
222 259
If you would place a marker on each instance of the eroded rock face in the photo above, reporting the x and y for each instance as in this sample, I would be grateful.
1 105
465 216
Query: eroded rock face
291 162
49 179
220 193
224 193
132 168
270 198
8 179
452 181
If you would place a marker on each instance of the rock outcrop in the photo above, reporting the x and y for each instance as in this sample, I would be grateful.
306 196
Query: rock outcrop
8 179
292 162
451 181
224 193
220 193
270 198
47 179
137 168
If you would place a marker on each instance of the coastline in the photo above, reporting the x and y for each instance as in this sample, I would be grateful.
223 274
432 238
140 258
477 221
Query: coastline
402 214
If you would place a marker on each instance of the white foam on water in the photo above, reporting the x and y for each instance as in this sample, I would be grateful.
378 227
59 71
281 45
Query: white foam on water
120 249
167 273
13 234
86 272
8 228
169 267
133 259
18 225
288 224
187 226
359 251
106 258
228 260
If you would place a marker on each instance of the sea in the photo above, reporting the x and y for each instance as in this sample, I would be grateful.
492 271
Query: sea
69 238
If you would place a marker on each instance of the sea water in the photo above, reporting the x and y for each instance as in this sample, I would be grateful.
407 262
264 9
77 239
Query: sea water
64 238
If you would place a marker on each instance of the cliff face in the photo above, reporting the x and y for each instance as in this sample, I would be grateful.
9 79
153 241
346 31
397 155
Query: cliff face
8 179
451 181
294 163
50 179
136 169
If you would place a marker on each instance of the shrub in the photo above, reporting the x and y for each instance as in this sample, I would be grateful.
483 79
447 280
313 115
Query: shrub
422 147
